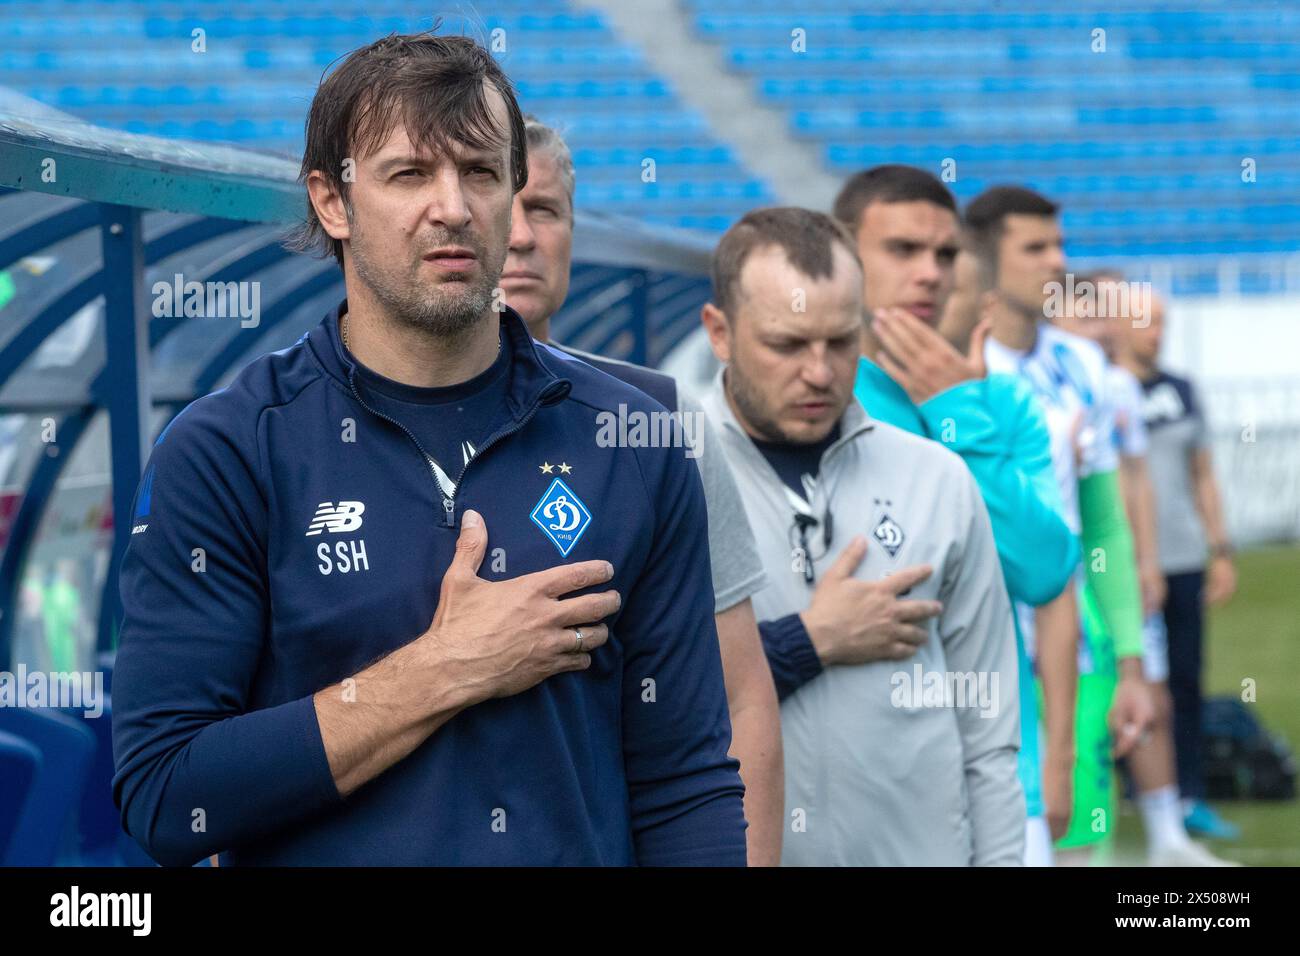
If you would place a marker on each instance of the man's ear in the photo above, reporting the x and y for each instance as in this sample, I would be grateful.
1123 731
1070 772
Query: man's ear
719 332
327 200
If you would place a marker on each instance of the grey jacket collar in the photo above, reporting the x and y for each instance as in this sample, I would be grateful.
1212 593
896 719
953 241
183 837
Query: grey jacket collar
853 423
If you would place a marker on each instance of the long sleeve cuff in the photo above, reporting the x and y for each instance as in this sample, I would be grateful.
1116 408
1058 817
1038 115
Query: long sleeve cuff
250 774
790 653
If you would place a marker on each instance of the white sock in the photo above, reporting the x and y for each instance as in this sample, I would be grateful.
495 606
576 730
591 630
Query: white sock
1162 815
1188 805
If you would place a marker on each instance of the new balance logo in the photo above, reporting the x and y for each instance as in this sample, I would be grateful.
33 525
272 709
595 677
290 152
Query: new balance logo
336 520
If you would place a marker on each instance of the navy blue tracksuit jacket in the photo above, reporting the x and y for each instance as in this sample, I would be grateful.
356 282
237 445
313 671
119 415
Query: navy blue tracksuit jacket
285 537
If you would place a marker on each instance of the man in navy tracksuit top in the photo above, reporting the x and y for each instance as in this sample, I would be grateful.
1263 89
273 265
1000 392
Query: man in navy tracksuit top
388 601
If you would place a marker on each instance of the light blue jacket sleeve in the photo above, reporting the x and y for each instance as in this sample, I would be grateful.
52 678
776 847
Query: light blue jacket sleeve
997 427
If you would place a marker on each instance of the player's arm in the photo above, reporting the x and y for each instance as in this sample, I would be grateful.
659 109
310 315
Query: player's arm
197 772
1111 565
1221 576
751 697
1208 500
1140 505
1112 572
755 731
791 657
1135 481
685 795
1110 562
976 629
1006 448
487 639
1019 487
1109 558
1057 624
847 622
1056 629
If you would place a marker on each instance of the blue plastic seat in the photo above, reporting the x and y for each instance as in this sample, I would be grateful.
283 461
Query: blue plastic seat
19 764
103 841
66 747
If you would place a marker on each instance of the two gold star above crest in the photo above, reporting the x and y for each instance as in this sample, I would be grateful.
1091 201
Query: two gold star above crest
547 468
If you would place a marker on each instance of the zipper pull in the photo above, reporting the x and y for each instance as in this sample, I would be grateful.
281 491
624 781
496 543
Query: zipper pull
449 507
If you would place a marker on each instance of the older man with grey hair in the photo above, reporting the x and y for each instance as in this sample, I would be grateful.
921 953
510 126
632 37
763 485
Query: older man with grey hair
535 281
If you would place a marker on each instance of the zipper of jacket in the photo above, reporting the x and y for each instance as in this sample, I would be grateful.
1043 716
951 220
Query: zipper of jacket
448 501
449 504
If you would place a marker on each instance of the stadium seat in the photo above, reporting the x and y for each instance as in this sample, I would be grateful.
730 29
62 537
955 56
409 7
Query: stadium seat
252 88
66 747
20 761
1001 92
100 824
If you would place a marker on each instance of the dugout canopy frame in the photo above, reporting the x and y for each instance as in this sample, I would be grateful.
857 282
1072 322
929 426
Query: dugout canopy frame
92 218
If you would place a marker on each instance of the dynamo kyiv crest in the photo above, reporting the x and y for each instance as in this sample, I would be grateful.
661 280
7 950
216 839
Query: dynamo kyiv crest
562 516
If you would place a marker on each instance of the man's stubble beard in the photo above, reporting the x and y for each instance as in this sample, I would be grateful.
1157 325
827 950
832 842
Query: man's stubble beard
1023 311
446 310
1039 310
748 402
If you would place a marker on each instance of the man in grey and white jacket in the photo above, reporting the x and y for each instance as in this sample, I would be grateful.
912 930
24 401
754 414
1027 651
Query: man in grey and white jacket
901 738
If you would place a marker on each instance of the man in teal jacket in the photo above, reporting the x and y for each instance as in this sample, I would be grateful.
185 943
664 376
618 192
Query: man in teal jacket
906 224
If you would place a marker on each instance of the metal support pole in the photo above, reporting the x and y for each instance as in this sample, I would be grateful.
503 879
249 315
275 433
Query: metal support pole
126 335
640 297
